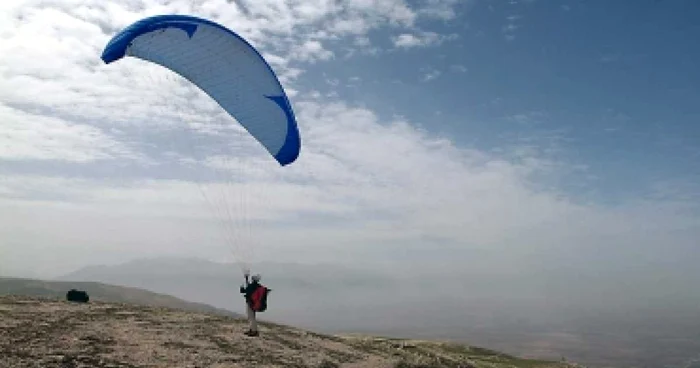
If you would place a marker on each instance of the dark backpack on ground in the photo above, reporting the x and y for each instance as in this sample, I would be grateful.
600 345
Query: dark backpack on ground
77 296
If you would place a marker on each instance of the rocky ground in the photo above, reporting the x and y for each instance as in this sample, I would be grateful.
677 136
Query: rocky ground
41 332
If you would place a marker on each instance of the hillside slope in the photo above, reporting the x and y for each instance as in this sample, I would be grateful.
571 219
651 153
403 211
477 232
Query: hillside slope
41 332
102 292
601 329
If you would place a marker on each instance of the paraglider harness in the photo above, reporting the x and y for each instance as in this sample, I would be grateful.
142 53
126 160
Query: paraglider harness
256 296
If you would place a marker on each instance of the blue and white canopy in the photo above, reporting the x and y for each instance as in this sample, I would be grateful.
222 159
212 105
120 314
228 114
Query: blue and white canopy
223 65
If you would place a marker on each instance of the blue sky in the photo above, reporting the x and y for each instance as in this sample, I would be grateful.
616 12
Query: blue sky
609 86
507 135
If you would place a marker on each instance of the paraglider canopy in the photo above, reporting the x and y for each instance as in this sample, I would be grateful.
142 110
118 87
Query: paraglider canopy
234 74
225 66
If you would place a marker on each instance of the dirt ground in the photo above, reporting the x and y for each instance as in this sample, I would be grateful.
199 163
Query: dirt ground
49 333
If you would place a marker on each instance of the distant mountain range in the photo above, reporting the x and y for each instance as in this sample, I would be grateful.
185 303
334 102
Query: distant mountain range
300 293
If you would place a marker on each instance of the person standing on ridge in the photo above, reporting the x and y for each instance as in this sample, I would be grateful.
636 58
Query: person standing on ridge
255 297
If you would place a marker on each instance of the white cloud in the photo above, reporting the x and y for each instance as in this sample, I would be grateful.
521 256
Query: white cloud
26 135
360 182
311 51
362 41
440 9
396 11
431 74
407 40
511 25
423 39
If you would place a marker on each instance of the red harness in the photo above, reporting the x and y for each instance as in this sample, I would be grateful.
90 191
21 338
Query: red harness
256 298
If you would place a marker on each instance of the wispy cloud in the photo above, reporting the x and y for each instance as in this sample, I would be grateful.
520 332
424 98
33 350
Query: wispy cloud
359 180
431 74
459 68
528 118
424 39
42 137
440 9
362 41
311 51
510 27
